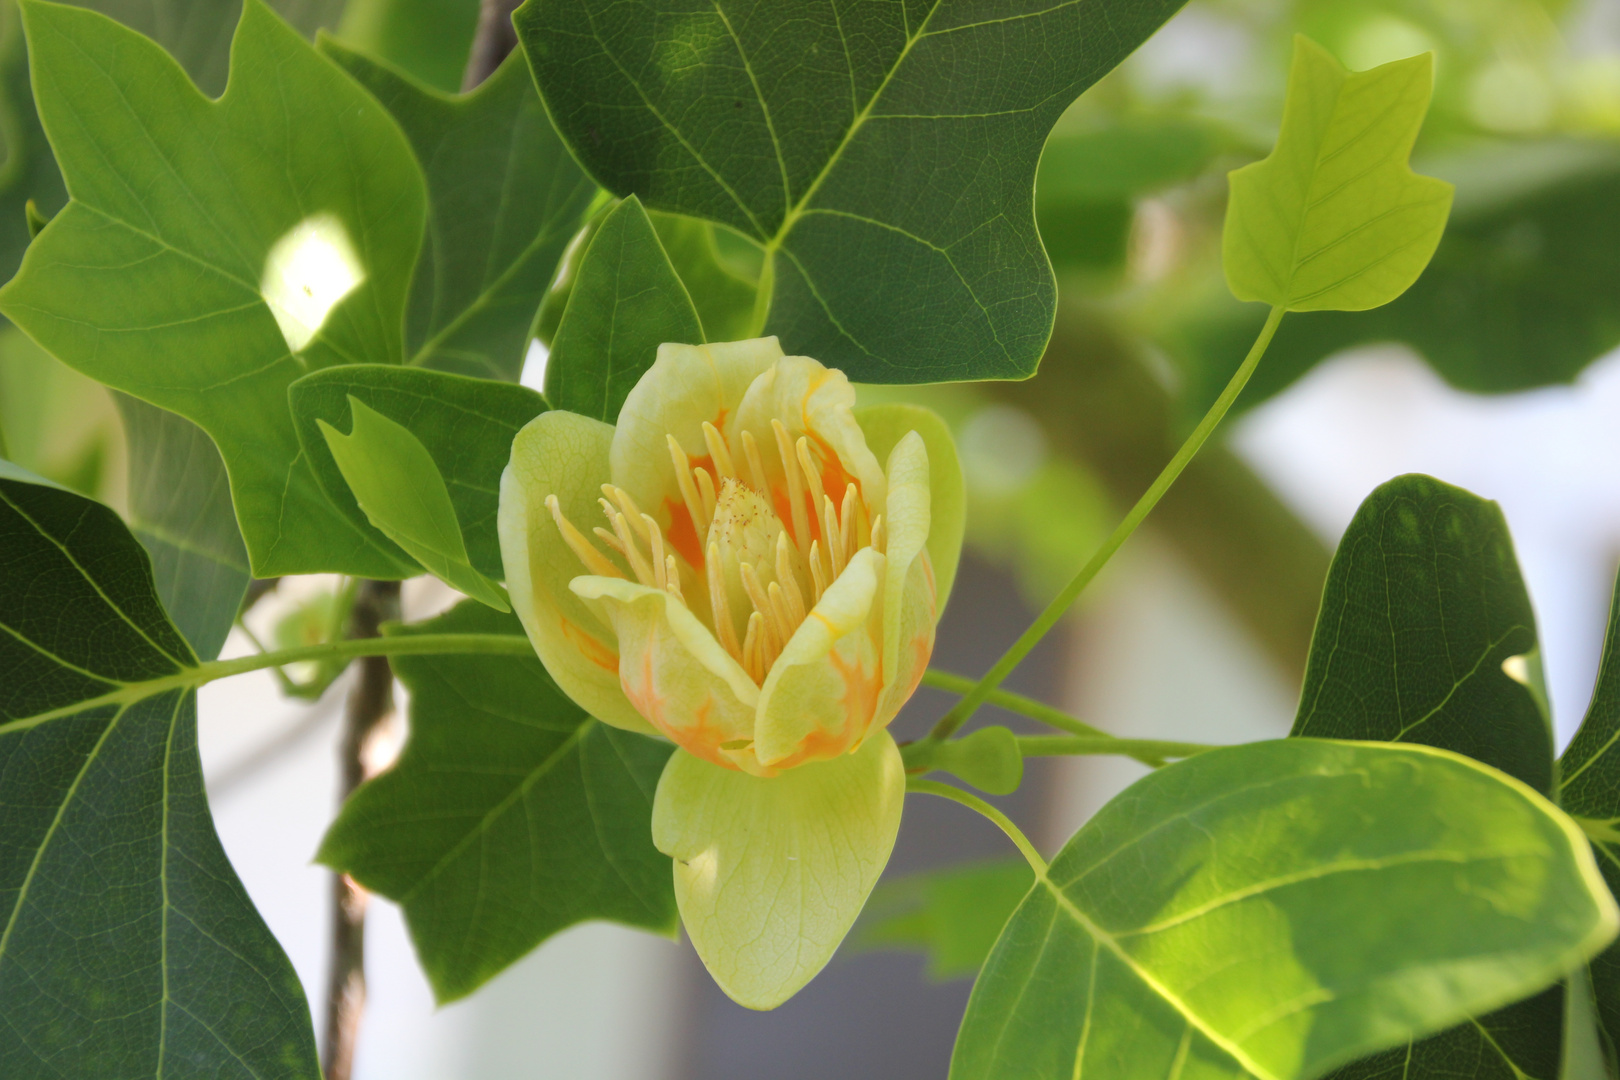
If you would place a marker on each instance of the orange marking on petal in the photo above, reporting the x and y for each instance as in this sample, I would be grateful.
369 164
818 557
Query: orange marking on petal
590 647
681 533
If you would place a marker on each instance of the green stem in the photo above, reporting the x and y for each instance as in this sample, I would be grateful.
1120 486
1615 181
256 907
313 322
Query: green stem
973 802
202 674
1027 706
1148 751
981 691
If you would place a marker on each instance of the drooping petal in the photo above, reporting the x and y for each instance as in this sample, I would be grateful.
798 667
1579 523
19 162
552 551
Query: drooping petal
817 402
566 455
687 385
825 688
771 873
884 426
909 607
675 673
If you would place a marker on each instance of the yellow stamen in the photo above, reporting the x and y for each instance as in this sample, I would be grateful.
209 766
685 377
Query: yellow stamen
756 465
609 539
789 580
594 560
812 478
683 479
672 578
829 526
705 486
760 599
751 660
638 561
818 575
801 522
846 523
785 623
632 512
655 540
719 452
722 610
879 541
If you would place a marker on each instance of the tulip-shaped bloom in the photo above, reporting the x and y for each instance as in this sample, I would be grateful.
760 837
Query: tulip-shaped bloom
763 593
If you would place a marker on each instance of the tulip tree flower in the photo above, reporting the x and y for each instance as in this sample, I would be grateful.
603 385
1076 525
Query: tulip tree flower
763 593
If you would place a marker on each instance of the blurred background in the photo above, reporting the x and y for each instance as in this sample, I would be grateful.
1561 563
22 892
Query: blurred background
1498 372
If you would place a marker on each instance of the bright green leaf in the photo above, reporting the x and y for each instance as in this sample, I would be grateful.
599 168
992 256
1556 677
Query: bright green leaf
953 915
1422 611
510 815
128 946
396 483
1589 789
883 154
1274 909
1335 219
723 298
504 199
187 215
180 511
1426 633
626 301
467 426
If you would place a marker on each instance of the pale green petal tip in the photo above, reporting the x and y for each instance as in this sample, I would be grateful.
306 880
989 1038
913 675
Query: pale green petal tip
884 426
771 873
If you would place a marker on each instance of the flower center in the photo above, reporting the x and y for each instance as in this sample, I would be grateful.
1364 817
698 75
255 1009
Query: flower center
771 540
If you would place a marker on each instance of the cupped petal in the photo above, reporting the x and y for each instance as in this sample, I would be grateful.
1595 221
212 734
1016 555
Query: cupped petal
910 610
675 673
687 385
884 426
825 688
566 455
771 873
817 402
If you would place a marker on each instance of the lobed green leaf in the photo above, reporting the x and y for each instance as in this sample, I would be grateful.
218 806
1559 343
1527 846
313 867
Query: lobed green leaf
510 816
129 947
1334 218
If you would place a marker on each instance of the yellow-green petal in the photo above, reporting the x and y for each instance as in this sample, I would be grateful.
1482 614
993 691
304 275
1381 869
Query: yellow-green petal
687 385
884 426
811 399
825 688
909 607
771 873
566 455
674 672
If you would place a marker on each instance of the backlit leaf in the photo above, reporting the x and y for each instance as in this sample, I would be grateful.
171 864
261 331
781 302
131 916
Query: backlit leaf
396 483
129 947
1335 219
510 816
1273 909
467 426
953 915
883 154
203 241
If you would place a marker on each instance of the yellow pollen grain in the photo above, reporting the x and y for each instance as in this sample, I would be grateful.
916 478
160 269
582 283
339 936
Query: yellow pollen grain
594 560
719 451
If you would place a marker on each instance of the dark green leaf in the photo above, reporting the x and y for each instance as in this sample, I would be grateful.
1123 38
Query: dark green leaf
1589 789
723 298
129 947
510 815
883 153
396 483
626 300
428 38
180 511
953 915
1274 909
153 278
467 425
1423 606
504 199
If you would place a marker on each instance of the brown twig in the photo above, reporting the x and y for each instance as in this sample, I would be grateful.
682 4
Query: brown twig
493 42
370 705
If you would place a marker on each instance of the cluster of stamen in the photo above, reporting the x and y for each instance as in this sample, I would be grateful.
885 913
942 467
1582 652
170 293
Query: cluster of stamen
803 564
